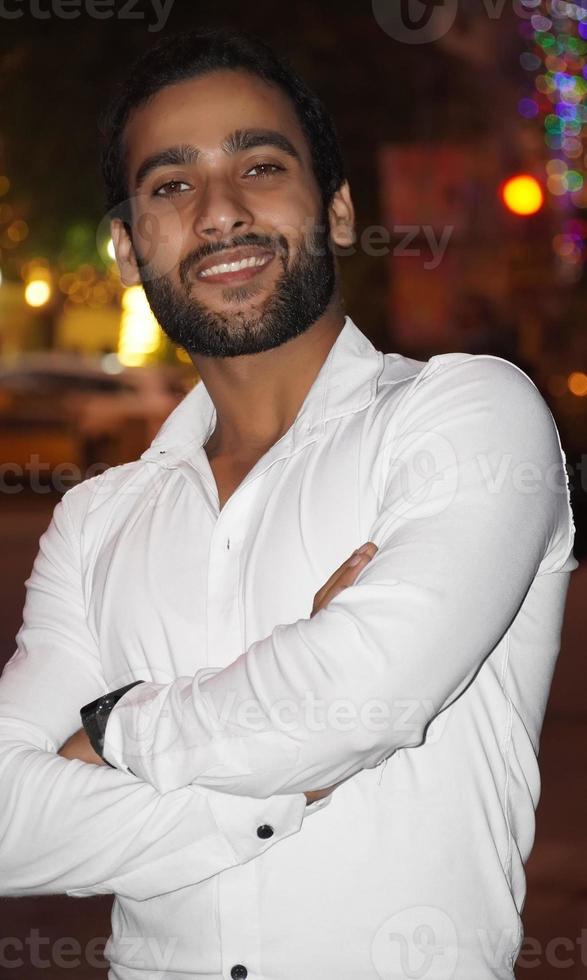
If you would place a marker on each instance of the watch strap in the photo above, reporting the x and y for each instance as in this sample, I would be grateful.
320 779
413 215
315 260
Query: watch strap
95 717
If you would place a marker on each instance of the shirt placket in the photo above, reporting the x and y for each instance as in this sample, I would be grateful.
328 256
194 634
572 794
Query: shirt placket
238 905
237 892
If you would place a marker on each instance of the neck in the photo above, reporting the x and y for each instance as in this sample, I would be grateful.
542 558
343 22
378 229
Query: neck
257 396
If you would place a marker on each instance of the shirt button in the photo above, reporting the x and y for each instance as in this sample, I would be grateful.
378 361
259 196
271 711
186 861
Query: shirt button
239 972
264 831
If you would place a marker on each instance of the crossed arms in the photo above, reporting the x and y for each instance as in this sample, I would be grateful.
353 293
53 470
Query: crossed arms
71 827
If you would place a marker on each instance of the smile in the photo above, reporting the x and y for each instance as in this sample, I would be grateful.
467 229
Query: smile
236 271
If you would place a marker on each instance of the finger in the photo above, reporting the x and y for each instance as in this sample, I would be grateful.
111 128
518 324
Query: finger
370 550
345 577
345 581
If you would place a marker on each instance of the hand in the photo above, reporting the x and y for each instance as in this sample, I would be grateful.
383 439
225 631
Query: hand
78 746
319 794
343 576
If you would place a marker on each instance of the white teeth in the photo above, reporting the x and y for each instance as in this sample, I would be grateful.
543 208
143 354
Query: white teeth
235 266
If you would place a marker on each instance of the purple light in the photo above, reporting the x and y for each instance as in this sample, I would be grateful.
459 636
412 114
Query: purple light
526 30
540 23
566 110
582 28
528 108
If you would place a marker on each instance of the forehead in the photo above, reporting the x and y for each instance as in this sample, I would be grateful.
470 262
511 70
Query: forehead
204 111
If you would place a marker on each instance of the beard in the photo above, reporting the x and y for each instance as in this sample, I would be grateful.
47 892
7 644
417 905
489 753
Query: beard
300 296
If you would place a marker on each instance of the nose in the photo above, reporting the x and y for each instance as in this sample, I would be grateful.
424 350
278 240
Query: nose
221 212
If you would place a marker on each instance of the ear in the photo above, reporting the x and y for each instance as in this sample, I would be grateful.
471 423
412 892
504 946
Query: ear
342 216
125 253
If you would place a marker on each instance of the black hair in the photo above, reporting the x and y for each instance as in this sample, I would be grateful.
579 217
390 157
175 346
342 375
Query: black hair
188 55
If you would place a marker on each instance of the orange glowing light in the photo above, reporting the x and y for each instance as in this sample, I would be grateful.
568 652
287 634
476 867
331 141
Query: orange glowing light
522 194
577 382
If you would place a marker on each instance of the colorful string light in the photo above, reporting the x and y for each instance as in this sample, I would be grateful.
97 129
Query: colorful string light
555 33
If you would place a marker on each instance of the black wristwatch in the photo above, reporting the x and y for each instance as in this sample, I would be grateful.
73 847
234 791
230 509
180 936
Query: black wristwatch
95 716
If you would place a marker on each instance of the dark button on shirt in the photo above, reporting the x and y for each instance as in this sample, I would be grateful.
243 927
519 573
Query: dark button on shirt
264 831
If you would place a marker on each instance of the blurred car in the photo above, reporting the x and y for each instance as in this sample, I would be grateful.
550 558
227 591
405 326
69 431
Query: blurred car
60 411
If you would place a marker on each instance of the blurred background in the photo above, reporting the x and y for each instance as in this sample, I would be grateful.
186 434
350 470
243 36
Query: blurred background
464 126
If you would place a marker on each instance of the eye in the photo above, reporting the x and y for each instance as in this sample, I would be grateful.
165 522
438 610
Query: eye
172 186
266 166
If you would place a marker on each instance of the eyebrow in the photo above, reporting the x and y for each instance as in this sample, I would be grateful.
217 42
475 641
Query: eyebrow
186 154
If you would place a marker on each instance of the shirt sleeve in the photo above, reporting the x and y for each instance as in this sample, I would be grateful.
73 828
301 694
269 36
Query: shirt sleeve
474 503
67 827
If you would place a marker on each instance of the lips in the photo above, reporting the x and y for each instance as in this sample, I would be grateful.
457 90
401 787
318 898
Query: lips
221 260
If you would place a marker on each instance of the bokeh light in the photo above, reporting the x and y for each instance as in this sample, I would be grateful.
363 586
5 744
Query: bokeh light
522 194
37 292
577 382
140 334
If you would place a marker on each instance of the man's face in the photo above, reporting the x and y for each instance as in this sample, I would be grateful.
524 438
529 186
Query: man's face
219 171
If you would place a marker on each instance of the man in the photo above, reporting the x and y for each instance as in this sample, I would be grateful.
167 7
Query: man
277 779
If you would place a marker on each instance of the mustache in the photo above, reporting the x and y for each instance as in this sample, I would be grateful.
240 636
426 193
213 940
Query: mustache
279 246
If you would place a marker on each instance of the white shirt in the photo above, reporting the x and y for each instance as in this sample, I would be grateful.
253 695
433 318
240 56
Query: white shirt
436 662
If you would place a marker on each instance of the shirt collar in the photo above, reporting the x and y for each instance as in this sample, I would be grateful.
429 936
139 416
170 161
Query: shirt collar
346 382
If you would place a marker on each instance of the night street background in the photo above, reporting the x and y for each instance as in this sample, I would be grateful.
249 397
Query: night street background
431 133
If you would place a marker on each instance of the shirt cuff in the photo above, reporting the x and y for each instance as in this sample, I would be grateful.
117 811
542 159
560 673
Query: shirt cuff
269 821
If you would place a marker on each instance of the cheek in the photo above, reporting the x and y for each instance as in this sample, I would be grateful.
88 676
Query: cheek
291 215
158 233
